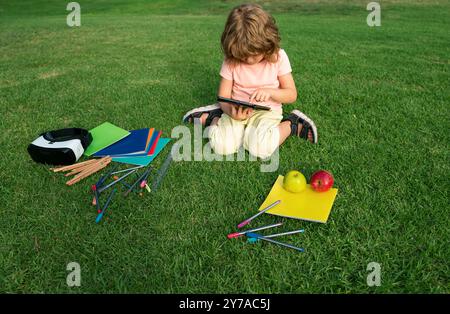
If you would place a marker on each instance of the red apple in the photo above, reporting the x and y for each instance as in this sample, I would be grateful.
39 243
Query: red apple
322 181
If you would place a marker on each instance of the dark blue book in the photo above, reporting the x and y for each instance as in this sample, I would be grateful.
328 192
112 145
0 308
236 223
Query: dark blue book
135 143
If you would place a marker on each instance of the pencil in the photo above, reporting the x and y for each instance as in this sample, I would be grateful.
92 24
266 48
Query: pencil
238 234
253 240
96 165
101 189
87 172
66 168
94 189
126 170
284 233
144 180
258 236
137 181
82 168
100 215
247 221
103 178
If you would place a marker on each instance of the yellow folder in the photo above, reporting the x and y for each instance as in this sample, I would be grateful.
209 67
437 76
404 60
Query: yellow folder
306 205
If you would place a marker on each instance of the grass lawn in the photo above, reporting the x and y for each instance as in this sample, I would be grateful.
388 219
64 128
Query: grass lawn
380 97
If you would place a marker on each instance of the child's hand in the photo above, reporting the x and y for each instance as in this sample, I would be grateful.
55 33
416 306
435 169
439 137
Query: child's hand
236 112
240 112
261 94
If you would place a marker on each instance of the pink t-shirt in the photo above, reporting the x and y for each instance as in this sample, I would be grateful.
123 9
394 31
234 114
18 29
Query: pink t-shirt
247 78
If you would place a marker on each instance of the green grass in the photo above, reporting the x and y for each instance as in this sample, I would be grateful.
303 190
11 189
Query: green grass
380 97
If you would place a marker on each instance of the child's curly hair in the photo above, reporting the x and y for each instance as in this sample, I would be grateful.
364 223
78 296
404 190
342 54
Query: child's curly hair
250 31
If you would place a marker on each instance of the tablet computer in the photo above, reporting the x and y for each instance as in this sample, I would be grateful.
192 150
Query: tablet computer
242 103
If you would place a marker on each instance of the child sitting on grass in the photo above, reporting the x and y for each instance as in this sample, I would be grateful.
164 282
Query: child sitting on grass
255 70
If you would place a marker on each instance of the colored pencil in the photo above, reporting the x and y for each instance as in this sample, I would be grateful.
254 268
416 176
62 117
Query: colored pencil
128 186
137 181
101 189
99 216
125 170
238 234
94 189
253 240
260 237
106 176
144 181
284 233
247 221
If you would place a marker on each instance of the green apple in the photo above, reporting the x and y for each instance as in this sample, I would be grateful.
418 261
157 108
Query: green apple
294 181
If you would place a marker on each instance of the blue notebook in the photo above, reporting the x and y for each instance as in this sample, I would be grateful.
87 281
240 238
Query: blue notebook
144 160
135 142
152 143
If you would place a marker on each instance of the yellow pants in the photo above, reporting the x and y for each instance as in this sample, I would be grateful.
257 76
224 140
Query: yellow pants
259 134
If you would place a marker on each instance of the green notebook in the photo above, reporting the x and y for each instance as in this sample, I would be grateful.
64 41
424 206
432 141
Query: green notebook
104 135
